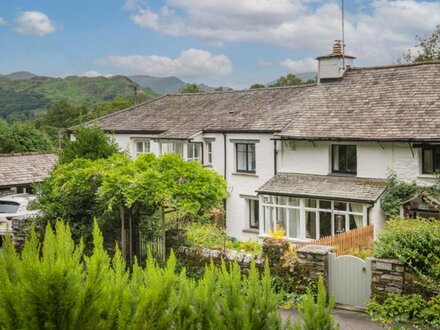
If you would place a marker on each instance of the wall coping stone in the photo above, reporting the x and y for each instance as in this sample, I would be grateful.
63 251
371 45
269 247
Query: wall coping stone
315 249
388 261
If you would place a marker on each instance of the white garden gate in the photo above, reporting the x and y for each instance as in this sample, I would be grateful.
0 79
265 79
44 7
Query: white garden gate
349 279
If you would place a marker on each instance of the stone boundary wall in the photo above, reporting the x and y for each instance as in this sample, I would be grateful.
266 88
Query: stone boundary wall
198 257
314 258
387 276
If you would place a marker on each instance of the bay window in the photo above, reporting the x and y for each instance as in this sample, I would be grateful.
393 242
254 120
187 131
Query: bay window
319 218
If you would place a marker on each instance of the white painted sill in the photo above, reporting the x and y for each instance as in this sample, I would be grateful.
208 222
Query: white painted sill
245 174
251 231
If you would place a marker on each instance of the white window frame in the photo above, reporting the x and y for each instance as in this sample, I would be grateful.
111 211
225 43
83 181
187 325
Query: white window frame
191 149
209 152
302 215
171 148
146 147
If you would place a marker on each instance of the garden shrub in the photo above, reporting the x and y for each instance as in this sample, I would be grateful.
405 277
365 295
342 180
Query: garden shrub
411 308
416 242
55 286
397 192
317 314
214 237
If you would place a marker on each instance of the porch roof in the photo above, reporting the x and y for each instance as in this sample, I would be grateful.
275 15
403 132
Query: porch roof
325 187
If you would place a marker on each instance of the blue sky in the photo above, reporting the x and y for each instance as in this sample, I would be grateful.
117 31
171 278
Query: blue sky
219 42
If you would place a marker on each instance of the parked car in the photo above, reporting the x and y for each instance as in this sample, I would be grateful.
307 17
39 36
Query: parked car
14 206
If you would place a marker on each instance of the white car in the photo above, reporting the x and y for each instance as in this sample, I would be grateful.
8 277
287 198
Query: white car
14 206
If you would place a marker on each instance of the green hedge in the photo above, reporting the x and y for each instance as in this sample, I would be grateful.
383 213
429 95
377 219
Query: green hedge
416 242
56 286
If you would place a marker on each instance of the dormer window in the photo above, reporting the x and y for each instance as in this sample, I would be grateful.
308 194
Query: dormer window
431 159
344 159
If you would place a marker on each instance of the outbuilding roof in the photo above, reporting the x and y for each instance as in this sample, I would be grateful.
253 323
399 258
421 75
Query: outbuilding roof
25 168
325 186
395 103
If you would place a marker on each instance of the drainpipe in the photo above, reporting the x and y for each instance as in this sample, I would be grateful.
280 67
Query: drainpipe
224 173
368 213
275 153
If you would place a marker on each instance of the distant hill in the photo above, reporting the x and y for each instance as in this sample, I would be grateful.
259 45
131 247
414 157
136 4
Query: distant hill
25 98
304 76
167 85
20 75
159 85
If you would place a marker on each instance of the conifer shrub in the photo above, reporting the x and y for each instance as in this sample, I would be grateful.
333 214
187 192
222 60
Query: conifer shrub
317 314
54 285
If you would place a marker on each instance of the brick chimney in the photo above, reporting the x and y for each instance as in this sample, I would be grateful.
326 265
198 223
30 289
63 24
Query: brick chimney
331 67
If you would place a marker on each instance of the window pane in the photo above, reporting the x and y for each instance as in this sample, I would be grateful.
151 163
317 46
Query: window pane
436 156
268 219
427 161
293 223
325 205
325 225
9 207
356 207
281 200
253 213
335 155
281 217
339 223
241 157
251 157
139 147
267 199
340 206
293 201
311 203
351 159
356 221
311 224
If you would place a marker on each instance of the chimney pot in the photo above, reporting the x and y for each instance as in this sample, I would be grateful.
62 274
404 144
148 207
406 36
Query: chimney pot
337 47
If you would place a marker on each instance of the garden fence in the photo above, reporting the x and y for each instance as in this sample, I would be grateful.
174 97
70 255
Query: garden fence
154 245
344 243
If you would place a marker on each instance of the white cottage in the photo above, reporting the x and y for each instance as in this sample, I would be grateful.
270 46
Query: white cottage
311 158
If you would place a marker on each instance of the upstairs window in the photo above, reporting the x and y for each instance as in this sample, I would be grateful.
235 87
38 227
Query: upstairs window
344 159
245 157
142 147
431 159
194 152
209 152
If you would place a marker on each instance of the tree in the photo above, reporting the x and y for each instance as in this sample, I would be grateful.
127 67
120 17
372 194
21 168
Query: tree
288 80
117 191
190 88
255 86
23 137
428 49
90 143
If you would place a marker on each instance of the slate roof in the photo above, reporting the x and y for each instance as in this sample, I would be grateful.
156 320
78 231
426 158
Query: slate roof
25 168
399 102
325 186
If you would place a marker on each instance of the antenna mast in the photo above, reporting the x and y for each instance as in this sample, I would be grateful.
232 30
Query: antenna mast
343 36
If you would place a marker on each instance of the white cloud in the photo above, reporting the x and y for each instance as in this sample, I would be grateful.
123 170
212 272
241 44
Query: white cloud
2 21
378 33
34 23
298 66
192 63
93 74
264 63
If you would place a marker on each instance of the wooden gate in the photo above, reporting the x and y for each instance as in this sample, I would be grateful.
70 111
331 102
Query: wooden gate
349 279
